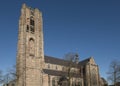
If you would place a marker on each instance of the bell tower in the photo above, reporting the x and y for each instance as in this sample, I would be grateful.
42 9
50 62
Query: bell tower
30 52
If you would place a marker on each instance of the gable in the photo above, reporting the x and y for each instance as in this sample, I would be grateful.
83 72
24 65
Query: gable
92 61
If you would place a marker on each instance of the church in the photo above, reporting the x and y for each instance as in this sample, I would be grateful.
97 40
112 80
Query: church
36 69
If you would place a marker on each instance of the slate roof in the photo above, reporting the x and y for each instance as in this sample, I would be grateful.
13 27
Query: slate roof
83 62
58 61
53 60
58 73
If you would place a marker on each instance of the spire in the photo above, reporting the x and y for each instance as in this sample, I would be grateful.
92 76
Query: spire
76 58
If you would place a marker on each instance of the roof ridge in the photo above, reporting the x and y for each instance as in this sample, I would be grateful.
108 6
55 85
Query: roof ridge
55 58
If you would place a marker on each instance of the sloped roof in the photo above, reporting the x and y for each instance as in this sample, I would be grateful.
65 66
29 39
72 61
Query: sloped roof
90 59
83 62
58 73
53 60
58 61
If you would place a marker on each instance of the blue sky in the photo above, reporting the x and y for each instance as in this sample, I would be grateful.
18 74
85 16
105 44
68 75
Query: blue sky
88 27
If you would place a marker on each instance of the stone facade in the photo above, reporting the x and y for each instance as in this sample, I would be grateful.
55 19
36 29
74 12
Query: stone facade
35 69
30 54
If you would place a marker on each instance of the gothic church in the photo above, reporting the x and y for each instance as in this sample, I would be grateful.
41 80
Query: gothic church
36 69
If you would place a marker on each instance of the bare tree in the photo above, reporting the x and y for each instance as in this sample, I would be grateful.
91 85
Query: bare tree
114 72
6 78
1 77
9 76
12 72
72 60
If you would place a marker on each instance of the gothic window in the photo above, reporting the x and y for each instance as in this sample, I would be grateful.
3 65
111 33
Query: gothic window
32 22
32 25
84 71
27 29
32 29
49 66
79 83
31 46
62 81
53 82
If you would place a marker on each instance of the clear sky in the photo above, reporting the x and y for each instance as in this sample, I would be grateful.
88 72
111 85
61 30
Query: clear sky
88 27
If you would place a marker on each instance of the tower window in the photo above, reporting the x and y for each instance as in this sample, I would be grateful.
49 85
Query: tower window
32 29
27 29
53 82
32 22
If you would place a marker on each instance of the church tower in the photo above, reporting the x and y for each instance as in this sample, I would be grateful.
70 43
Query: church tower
30 54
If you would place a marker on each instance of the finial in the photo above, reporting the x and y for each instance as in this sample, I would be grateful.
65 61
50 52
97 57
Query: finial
76 58
23 5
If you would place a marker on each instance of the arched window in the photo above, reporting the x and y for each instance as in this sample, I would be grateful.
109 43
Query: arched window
32 22
79 83
27 29
53 82
48 65
31 46
32 25
32 30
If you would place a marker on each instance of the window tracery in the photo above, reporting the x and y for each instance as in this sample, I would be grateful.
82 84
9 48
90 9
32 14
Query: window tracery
53 82
32 24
